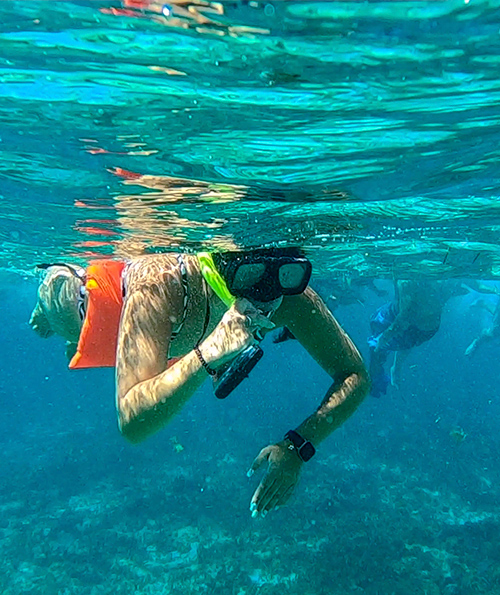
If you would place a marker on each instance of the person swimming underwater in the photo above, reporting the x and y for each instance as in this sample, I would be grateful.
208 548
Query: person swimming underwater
411 319
169 321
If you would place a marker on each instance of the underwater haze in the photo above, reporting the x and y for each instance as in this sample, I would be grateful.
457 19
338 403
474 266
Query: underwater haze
368 133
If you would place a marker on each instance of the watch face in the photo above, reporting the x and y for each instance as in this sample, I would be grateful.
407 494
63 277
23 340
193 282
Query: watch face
307 451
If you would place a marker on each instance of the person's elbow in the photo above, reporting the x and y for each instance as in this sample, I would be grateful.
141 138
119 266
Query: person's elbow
360 383
130 423
130 430
138 423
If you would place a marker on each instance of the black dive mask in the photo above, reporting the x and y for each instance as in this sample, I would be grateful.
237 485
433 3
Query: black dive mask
260 276
264 275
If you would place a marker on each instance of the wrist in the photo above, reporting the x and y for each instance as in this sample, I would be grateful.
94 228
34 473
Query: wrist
302 447
210 351
214 353
204 363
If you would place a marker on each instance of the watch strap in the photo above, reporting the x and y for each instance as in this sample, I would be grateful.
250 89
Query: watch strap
304 448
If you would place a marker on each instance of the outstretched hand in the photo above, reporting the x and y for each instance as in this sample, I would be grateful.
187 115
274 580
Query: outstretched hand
471 349
278 483
374 343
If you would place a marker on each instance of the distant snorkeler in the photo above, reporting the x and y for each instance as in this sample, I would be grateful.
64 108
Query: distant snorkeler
492 331
169 321
411 319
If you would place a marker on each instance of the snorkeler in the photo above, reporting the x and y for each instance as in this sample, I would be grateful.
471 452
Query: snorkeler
491 332
411 319
167 322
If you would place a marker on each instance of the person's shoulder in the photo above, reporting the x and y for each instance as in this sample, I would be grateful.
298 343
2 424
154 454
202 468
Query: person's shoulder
165 259
152 267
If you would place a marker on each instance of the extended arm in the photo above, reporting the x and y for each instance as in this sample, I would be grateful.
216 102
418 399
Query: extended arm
480 287
148 394
317 330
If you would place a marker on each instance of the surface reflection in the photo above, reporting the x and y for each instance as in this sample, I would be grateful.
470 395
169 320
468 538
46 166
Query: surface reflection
202 17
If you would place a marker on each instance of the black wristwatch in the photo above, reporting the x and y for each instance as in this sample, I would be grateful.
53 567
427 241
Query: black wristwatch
304 448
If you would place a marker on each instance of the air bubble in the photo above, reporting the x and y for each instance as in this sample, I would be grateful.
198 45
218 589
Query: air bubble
269 10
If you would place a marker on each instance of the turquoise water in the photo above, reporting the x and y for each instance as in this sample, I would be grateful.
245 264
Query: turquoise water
370 129
367 132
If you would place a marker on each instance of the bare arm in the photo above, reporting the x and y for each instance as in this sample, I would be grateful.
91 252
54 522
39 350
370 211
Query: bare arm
148 394
317 330
474 285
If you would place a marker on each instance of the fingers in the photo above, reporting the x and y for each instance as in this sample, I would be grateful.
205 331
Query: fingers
259 459
263 494
39 323
264 484
269 495
271 491
41 330
281 497
263 322
277 495
253 318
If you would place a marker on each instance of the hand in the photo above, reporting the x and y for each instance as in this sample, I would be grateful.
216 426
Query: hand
235 332
471 349
374 343
280 479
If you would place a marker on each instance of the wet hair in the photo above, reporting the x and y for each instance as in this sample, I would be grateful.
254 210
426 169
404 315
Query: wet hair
58 301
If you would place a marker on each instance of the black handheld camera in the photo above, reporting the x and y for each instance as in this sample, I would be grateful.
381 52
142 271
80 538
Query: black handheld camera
241 366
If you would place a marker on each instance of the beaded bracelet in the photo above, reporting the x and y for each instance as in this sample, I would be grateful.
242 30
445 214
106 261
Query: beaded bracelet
209 370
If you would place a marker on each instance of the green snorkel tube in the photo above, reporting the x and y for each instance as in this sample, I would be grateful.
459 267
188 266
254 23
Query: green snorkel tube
235 372
214 278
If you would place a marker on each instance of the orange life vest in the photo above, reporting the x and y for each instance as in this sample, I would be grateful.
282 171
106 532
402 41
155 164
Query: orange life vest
99 334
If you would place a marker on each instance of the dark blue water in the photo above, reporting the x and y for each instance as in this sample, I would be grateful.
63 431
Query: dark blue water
366 132
392 503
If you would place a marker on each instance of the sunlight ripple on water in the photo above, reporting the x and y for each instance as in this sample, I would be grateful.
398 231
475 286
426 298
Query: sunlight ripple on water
367 132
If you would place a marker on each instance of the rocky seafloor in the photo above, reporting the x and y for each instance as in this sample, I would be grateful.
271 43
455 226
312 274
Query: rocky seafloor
412 517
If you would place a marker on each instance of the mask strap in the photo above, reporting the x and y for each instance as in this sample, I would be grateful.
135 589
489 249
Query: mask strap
44 266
